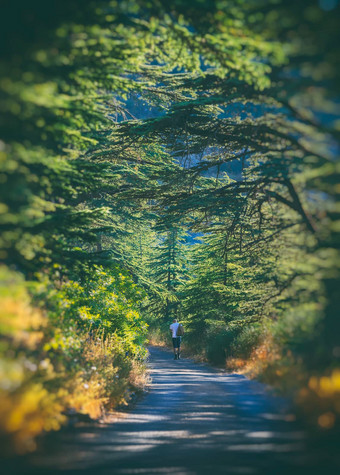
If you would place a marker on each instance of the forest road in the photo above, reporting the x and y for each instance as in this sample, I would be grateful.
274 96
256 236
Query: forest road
194 420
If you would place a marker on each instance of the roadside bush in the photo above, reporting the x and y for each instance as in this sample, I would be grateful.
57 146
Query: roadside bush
26 406
158 332
297 333
246 341
82 350
219 346
196 335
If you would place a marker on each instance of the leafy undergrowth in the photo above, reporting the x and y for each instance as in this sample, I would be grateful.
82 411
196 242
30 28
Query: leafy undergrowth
81 353
316 394
159 335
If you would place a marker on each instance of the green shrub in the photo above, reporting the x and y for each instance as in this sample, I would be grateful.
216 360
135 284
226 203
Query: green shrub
297 333
219 346
247 340
84 336
158 334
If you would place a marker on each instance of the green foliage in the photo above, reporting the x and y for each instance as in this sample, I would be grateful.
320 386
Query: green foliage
233 341
219 344
247 341
130 127
48 357
107 300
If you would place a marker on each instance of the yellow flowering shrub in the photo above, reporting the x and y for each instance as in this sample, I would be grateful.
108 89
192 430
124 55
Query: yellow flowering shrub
320 400
80 350
26 406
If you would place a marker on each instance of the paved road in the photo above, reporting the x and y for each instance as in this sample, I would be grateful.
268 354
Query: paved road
195 420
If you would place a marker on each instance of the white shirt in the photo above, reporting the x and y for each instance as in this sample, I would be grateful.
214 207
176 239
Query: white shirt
173 328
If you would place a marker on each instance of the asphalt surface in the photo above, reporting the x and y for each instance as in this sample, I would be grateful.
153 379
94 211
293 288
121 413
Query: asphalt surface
194 420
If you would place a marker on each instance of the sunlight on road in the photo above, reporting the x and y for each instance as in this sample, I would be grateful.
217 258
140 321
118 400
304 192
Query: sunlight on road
194 420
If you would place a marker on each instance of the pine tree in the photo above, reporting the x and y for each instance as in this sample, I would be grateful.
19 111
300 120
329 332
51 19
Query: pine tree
168 268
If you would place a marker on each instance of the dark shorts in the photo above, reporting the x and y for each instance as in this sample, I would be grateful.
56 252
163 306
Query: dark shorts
176 342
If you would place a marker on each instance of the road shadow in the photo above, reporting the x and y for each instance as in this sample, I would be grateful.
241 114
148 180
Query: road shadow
194 420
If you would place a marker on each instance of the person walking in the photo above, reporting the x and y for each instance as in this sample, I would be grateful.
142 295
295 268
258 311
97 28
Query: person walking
175 329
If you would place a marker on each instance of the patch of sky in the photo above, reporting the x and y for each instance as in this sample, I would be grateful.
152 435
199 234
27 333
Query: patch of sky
194 238
232 169
327 118
328 5
138 108
318 198
248 109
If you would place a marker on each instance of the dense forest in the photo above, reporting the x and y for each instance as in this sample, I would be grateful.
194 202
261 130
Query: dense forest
166 160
